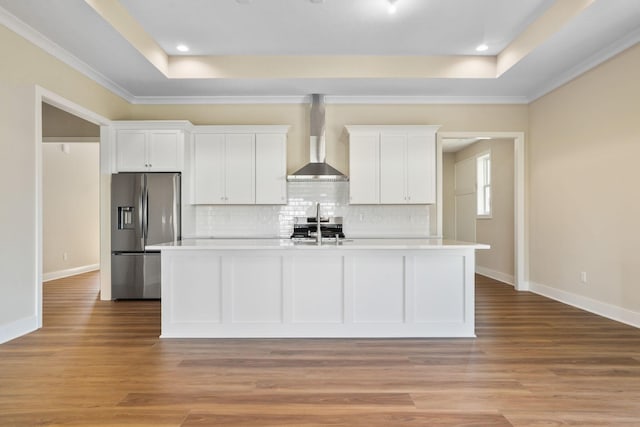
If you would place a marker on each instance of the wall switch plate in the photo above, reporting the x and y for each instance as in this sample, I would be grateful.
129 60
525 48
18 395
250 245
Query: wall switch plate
583 277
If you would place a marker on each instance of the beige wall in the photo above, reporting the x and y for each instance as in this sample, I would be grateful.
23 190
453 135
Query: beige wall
24 66
71 214
460 118
497 231
584 206
57 123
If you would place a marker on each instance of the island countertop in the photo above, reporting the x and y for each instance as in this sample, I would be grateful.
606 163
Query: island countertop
288 244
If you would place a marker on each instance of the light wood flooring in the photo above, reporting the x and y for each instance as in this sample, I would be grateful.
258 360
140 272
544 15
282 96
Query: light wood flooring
536 362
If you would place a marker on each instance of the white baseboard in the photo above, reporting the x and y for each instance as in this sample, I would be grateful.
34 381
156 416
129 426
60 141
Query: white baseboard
603 309
496 275
53 275
18 328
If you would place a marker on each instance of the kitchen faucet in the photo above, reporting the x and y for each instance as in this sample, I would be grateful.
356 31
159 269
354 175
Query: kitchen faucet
318 228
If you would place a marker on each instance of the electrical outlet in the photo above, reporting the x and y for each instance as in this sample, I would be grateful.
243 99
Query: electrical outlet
583 277
65 256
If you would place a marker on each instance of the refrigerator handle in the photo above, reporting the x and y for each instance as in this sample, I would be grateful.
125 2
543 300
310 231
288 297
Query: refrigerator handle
146 213
142 214
176 207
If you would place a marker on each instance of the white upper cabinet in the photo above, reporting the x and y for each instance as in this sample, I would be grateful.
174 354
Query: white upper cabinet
271 169
208 168
364 170
239 169
239 165
392 164
149 146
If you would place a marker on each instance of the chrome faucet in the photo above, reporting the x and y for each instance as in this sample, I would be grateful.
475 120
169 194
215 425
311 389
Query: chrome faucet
318 228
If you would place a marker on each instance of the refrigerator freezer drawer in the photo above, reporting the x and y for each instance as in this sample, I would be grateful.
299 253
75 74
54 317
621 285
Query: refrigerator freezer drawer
135 275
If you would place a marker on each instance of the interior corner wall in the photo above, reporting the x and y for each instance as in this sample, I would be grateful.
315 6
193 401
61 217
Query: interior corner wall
71 209
584 207
24 67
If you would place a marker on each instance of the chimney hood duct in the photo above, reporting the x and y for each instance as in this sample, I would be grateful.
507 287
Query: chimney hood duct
317 169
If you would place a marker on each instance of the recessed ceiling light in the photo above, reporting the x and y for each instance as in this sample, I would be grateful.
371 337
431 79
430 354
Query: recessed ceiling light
482 47
392 8
182 48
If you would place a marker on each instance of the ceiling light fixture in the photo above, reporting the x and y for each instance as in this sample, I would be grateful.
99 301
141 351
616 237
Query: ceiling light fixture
182 48
392 8
483 47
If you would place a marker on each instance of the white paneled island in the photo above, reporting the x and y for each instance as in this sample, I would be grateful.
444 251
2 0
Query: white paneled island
247 288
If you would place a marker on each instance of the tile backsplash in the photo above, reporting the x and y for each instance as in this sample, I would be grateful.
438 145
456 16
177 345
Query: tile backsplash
277 221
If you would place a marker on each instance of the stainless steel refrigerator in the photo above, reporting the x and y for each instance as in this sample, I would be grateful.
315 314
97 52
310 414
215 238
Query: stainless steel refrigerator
145 210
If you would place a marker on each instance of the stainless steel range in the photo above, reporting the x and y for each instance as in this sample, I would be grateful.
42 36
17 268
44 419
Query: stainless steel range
306 228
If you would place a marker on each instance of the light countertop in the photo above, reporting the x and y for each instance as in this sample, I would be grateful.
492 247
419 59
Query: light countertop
288 244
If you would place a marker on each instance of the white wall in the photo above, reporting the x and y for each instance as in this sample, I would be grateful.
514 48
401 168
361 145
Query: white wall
71 209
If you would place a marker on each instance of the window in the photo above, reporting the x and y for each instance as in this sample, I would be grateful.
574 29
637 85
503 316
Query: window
483 167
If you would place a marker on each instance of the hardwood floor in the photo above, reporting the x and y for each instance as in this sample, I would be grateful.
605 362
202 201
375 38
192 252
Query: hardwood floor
535 362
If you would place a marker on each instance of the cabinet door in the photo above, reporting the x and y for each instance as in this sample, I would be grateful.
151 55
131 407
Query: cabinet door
393 160
364 167
164 151
421 169
240 169
208 165
131 151
271 169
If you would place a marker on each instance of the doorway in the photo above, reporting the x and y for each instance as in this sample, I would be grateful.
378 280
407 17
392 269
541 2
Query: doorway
71 194
516 178
44 100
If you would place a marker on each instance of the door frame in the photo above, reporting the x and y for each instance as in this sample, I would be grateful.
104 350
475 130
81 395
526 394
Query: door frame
521 267
52 98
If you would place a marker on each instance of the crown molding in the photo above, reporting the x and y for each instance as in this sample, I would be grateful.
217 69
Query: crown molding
593 61
425 99
329 99
27 32
220 100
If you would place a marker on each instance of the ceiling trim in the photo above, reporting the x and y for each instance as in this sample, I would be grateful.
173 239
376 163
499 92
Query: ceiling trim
539 31
593 61
217 100
425 99
39 40
329 99
120 19
331 66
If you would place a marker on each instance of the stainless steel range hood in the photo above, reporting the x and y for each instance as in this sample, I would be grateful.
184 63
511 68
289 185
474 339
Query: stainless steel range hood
317 169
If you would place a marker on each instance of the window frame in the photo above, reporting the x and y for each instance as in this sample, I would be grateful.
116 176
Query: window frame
484 185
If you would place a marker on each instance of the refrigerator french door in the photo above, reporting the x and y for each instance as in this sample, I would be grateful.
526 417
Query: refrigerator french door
145 210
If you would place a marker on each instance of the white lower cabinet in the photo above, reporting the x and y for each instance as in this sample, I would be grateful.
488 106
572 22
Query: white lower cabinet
239 165
392 164
360 293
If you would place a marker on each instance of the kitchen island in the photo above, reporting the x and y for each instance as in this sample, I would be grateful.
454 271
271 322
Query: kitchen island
249 288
